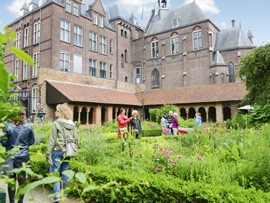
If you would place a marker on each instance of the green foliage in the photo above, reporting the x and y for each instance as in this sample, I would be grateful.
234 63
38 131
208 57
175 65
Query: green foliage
260 114
239 121
255 72
156 113
151 132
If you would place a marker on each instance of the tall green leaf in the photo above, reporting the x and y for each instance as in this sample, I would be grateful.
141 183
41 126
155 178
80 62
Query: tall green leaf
4 78
22 55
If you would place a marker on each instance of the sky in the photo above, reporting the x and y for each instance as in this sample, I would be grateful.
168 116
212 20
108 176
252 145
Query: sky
250 14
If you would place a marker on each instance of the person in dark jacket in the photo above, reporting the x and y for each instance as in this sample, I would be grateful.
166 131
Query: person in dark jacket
136 124
27 138
169 122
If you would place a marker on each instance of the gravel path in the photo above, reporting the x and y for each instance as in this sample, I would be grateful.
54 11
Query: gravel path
38 195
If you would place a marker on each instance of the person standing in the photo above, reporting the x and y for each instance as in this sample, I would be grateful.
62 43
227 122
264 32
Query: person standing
169 122
198 119
136 123
63 127
20 134
40 114
175 124
163 122
122 126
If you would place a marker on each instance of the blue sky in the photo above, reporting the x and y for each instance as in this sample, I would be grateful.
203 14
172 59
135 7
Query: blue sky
248 13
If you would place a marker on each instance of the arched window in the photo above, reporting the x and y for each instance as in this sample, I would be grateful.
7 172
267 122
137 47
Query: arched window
222 78
126 79
174 43
231 72
155 78
122 32
197 38
154 47
126 56
125 34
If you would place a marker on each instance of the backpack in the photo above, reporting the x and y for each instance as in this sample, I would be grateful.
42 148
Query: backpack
71 142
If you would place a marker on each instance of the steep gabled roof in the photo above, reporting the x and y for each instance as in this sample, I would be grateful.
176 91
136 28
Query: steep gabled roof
232 39
186 15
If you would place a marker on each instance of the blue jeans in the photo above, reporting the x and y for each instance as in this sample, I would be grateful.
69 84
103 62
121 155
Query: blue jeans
59 164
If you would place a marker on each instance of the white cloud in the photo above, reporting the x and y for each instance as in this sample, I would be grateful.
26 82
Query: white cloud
16 6
206 5
223 25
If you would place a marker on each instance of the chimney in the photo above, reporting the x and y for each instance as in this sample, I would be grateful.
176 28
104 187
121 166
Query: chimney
233 23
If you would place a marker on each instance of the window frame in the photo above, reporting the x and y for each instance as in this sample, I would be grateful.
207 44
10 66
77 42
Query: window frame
26 37
65 31
102 70
111 47
78 36
36 59
154 49
93 69
25 71
111 71
75 9
175 43
36 38
68 6
34 99
17 69
18 39
93 41
103 45
95 18
197 39
64 61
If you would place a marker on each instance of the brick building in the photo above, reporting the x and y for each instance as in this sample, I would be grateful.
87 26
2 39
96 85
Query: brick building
95 59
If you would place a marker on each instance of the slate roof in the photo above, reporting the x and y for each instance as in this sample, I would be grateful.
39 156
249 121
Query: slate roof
91 94
231 39
186 15
192 95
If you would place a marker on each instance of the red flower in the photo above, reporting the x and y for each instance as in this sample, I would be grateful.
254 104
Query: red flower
157 169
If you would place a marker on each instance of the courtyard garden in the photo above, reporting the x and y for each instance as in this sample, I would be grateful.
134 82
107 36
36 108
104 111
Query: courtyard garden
209 164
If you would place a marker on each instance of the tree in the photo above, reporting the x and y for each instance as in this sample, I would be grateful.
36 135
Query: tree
255 72
157 112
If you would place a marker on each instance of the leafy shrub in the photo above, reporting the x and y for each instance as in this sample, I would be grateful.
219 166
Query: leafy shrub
156 113
151 132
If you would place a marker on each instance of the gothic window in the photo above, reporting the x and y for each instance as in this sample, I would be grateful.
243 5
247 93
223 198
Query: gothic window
197 39
174 44
126 56
155 78
231 72
222 78
154 48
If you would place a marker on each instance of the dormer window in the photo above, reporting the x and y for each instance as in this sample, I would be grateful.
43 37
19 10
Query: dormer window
101 21
75 9
95 18
68 6
174 23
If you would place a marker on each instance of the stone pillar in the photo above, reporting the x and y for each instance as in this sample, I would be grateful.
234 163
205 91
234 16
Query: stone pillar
79 113
88 108
98 115
187 113
110 113
219 113
116 110
207 114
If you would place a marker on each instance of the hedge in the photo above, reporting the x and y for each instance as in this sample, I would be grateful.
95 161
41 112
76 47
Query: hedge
115 185
151 132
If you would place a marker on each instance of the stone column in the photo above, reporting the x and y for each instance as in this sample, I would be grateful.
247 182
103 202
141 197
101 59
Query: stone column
110 113
88 108
207 114
98 115
79 113
219 113
116 110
